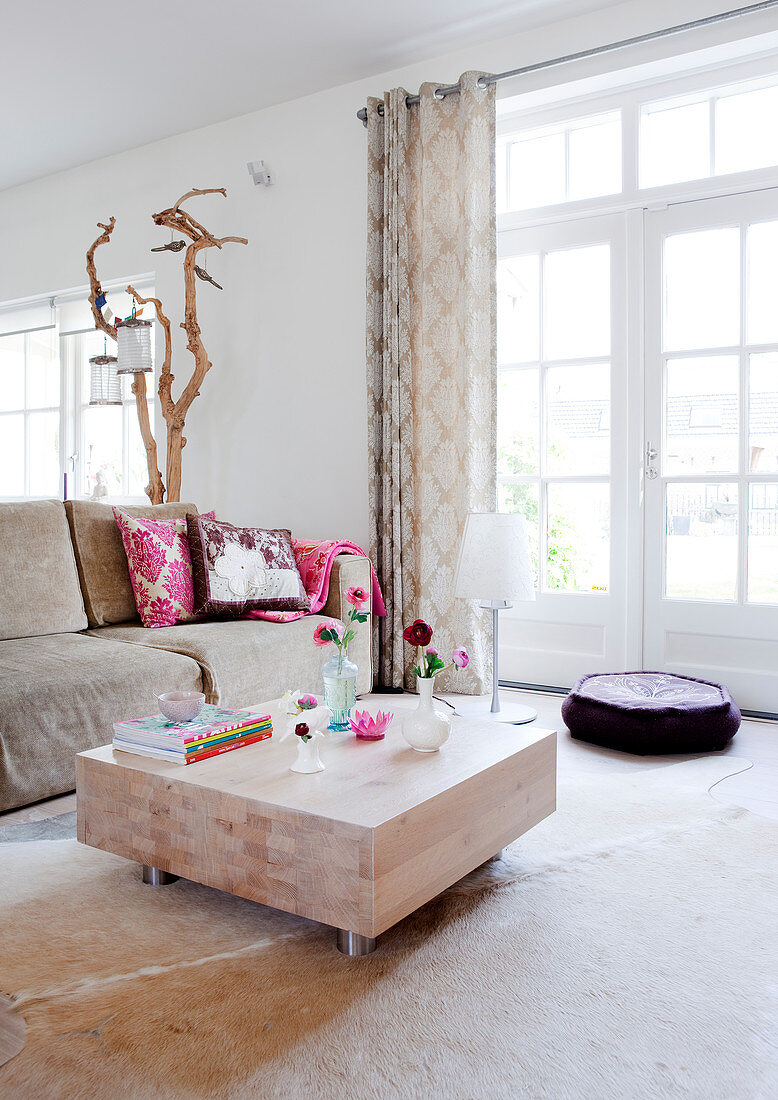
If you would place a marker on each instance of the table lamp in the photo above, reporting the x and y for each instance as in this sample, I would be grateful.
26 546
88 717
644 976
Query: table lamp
494 568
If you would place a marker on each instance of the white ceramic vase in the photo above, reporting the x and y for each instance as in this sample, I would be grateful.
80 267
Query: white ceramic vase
308 760
426 729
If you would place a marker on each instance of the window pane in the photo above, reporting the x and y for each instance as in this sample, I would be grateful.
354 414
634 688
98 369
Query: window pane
674 143
101 449
578 419
746 131
523 497
763 413
595 158
701 559
518 309
11 373
701 415
44 454
517 422
763 544
43 371
762 282
139 470
537 171
578 538
12 456
577 289
702 289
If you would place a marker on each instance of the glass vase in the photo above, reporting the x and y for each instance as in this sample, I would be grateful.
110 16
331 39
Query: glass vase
340 690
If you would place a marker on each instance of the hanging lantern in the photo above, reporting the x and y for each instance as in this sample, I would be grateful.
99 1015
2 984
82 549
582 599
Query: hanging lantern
105 387
134 338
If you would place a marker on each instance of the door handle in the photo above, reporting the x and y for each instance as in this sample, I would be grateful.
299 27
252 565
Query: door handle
651 455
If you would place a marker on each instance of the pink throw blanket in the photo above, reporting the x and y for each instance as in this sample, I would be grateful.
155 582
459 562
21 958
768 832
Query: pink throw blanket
314 560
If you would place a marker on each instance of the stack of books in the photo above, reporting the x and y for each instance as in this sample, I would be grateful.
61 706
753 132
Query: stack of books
216 730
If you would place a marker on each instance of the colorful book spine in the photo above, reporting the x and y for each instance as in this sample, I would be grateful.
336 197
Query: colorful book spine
217 738
195 758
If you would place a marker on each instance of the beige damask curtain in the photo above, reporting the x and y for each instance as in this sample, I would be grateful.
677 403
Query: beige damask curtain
430 363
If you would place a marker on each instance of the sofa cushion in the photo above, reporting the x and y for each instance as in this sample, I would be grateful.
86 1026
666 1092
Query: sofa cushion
61 694
240 569
160 568
243 661
102 563
39 590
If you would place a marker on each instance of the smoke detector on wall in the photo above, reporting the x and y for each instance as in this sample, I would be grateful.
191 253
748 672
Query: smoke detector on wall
260 173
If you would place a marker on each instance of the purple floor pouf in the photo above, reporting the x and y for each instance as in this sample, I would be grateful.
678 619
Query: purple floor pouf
651 713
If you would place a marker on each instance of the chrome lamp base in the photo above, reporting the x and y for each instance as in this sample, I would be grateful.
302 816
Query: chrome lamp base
514 713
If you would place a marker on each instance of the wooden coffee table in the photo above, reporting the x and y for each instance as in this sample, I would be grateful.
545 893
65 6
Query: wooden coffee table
358 846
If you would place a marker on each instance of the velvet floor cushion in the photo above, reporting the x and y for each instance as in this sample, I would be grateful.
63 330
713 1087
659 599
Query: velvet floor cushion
651 713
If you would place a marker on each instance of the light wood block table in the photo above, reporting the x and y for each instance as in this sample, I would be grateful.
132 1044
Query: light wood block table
358 846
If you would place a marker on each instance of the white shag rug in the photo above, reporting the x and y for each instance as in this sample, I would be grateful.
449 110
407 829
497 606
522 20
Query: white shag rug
625 948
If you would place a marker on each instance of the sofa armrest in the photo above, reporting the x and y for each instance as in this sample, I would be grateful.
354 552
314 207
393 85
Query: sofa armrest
349 570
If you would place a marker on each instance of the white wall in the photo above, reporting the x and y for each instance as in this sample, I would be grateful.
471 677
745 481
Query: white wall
278 436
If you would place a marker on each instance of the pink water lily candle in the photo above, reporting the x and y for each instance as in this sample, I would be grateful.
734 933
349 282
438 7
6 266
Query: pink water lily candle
369 728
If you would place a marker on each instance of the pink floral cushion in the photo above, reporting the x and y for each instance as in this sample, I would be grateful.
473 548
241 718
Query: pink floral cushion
160 568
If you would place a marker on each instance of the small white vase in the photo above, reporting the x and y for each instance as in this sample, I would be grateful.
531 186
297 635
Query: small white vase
307 760
426 729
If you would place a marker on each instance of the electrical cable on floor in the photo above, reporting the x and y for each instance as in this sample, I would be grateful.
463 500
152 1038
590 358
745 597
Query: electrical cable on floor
730 776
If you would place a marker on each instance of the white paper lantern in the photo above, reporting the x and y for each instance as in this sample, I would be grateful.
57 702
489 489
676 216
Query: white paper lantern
105 387
134 339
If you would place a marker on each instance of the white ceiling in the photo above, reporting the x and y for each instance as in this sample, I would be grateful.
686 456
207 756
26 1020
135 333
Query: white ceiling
81 80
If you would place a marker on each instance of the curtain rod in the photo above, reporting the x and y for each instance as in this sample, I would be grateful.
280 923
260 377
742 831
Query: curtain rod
595 51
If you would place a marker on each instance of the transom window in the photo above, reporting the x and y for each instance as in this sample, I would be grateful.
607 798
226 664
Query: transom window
643 143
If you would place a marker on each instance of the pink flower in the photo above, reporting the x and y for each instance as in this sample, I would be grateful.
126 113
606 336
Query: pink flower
368 728
307 702
358 597
432 652
460 657
317 638
331 629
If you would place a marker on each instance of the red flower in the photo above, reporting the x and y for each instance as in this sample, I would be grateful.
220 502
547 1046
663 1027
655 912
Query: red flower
419 633
301 729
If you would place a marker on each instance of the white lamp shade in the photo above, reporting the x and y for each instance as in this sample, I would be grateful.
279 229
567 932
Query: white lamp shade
134 346
494 562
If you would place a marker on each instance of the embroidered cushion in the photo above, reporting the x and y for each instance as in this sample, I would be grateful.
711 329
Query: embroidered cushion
160 568
239 569
651 713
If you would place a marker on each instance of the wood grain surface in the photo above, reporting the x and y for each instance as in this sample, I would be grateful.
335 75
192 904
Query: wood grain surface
359 846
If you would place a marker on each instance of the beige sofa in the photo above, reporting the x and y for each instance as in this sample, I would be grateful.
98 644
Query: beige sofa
74 656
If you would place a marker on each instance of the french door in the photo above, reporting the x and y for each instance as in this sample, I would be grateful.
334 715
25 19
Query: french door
711 458
562 443
638 435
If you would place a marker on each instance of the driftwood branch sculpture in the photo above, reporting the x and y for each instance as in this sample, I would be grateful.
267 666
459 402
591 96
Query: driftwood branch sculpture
95 290
155 490
173 412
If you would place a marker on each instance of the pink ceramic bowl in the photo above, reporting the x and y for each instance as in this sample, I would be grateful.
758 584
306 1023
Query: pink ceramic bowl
181 706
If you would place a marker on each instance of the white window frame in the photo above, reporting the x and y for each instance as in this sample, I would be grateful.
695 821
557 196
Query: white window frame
27 411
72 355
629 100
73 401
633 202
